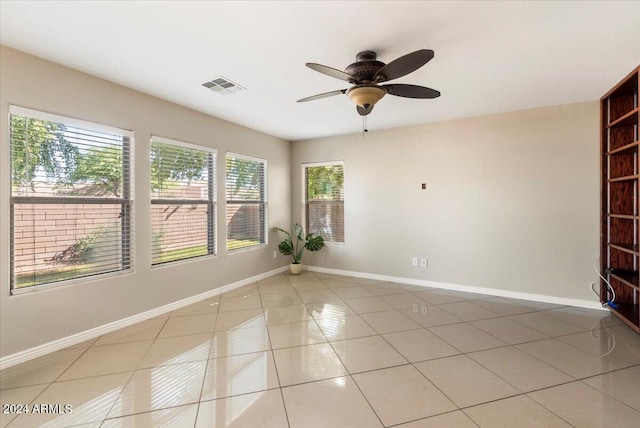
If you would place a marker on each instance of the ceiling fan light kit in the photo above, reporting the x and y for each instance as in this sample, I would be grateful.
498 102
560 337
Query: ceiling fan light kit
367 73
366 95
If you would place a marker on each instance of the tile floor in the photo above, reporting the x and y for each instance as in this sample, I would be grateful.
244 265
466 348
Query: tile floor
320 350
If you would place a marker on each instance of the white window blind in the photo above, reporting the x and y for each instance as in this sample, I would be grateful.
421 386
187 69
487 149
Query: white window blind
324 200
246 201
182 201
70 208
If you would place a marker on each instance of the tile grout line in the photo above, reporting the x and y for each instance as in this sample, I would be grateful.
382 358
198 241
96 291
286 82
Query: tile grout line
608 395
48 383
526 393
350 376
206 367
275 364
423 375
95 376
433 416
64 371
140 413
522 393
106 415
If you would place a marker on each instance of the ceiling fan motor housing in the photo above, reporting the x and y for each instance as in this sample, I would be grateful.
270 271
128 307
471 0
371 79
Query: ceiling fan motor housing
365 67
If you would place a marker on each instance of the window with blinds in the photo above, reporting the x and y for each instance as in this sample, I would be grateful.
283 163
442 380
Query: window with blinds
182 201
324 200
70 206
246 201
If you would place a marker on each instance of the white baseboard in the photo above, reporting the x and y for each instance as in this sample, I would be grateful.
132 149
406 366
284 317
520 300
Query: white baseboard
565 301
56 345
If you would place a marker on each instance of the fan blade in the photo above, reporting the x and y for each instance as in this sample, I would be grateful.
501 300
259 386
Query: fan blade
364 111
410 91
324 95
403 65
333 72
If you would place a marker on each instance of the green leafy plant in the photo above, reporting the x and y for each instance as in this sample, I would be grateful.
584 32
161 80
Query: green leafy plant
86 249
302 242
40 146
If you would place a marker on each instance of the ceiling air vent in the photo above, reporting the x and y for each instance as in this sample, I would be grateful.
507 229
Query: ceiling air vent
223 86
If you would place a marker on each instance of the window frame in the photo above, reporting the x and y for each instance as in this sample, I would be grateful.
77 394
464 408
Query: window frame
126 201
305 202
211 202
264 236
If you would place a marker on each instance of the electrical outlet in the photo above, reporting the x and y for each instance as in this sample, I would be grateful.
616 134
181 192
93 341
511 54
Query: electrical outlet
275 254
423 262
414 261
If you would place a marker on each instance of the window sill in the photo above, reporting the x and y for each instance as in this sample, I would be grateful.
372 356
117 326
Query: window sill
183 261
332 243
68 283
246 249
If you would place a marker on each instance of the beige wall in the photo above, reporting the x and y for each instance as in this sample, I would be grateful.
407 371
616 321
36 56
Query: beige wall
39 317
512 200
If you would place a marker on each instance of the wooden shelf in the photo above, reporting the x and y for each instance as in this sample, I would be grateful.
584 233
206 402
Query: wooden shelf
627 248
631 279
625 178
624 216
627 86
620 198
629 148
626 120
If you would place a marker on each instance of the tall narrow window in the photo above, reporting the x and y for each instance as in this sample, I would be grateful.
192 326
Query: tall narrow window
70 208
324 199
182 201
246 201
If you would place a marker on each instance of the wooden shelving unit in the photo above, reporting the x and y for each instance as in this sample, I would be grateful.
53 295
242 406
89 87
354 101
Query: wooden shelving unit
620 216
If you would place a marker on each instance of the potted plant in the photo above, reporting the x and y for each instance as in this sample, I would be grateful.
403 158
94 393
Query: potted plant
296 250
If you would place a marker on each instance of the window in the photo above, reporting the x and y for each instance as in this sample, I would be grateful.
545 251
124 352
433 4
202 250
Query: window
182 201
324 199
246 201
70 207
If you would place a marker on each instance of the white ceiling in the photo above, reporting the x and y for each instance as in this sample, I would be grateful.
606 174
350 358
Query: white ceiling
489 56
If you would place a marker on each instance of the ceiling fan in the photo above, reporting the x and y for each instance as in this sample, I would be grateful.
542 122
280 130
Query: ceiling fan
367 73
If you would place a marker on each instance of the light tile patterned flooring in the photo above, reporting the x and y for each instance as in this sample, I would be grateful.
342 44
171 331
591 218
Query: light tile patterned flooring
320 350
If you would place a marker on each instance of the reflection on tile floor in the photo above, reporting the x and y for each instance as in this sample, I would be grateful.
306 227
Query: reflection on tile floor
320 350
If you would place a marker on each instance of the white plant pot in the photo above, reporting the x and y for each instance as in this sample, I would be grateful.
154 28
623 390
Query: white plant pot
295 268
